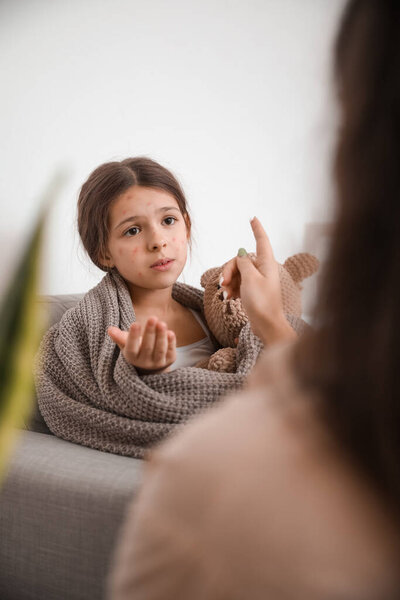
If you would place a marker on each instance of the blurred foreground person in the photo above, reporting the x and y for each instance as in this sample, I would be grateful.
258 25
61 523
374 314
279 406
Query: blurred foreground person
291 489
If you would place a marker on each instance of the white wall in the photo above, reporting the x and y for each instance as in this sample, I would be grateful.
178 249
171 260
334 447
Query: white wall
234 96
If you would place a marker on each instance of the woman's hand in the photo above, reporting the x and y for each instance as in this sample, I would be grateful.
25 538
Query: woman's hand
152 352
256 281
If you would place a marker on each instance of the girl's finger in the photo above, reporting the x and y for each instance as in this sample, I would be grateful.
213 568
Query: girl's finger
134 339
160 344
118 336
149 338
171 349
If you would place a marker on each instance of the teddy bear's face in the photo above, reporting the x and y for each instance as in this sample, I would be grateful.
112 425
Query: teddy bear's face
225 318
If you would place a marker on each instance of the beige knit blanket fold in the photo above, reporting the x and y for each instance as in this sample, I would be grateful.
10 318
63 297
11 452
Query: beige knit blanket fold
90 395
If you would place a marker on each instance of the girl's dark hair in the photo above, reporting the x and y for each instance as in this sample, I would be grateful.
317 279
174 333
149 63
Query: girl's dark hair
105 184
352 358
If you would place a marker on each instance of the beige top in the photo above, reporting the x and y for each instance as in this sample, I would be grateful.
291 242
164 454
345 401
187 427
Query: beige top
191 354
256 501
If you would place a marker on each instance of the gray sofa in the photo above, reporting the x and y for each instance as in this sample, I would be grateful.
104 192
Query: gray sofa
61 508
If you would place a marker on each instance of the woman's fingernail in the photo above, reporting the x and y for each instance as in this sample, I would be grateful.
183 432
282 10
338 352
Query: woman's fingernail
242 252
224 294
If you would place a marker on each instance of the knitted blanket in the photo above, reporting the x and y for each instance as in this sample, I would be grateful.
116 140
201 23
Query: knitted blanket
89 394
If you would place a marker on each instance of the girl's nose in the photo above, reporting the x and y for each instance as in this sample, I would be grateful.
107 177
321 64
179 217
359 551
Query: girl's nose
158 245
156 242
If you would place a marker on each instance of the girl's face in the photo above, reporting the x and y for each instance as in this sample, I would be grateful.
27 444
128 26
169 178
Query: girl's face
148 238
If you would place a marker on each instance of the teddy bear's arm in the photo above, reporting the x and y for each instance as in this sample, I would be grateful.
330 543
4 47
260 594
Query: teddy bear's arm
223 360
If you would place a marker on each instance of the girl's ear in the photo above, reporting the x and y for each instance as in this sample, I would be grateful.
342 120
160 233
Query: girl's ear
106 261
188 227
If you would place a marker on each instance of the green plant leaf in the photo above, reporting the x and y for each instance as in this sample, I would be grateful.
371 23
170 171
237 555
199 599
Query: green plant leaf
21 328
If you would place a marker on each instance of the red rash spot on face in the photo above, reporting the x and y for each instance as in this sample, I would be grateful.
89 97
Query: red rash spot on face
140 273
174 239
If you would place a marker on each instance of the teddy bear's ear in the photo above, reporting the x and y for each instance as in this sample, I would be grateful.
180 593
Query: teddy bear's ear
301 265
209 275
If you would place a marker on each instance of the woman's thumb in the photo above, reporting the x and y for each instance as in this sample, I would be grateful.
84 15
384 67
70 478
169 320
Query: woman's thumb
245 264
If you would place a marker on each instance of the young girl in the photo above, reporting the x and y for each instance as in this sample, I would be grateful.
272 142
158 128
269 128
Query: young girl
133 218
117 372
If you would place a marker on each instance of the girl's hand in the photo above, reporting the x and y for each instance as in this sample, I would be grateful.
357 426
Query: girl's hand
152 352
256 281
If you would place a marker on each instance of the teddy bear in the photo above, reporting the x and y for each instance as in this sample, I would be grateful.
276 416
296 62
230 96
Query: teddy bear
225 318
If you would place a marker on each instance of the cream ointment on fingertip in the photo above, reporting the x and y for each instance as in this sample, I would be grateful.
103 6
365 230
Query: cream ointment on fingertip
221 280
225 294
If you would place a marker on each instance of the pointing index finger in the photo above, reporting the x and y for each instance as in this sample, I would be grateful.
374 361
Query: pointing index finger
264 248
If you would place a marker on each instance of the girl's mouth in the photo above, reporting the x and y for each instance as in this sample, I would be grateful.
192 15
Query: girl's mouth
164 265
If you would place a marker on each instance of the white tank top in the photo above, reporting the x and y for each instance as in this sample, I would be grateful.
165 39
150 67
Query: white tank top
188 356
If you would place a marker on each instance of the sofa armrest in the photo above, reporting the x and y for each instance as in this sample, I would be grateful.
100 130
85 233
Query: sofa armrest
61 506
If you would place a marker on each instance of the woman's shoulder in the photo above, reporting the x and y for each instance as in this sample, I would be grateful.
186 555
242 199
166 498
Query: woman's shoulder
266 457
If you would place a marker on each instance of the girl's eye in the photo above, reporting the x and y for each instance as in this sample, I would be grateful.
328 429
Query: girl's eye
132 231
169 220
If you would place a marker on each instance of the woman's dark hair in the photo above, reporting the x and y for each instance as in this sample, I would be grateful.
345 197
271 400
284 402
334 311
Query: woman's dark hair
105 184
353 357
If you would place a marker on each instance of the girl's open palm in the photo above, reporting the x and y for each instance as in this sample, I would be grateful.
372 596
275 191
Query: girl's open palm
154 351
